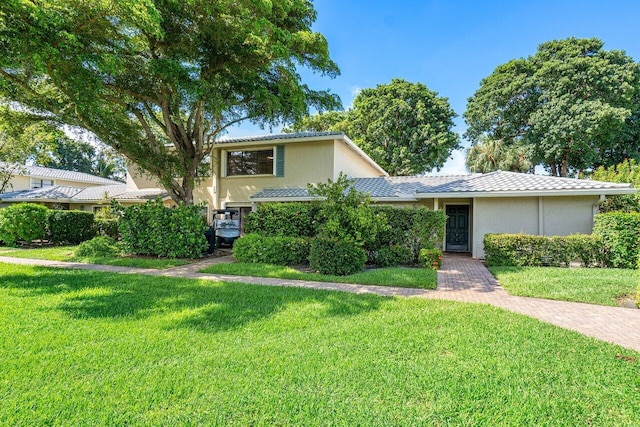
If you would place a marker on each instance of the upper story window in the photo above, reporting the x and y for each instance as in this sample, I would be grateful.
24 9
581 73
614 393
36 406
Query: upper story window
255 162
39 183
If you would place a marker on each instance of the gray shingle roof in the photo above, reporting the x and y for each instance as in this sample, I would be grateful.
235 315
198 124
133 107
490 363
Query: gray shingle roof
41 172
495 182
225 140
77 194
46 193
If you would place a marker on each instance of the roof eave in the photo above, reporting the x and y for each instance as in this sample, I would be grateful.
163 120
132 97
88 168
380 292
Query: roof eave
285 199
330 137
529 193
352 145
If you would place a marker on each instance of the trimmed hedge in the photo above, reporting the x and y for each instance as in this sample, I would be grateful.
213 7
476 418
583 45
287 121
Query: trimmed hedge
283 219
620 233
336 257
153 229
23 222
391 256
275 250
415 228
528 250
108 227
71 227
430 258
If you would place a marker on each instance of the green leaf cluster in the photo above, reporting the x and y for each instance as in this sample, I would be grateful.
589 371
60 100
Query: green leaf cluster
154 229
404 127
522 250
620 233
70 226
98 247
275 250
628 172
573 105
284 219
23 222
345 213
336 257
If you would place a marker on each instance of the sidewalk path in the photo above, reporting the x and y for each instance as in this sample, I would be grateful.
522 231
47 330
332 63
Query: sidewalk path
461 279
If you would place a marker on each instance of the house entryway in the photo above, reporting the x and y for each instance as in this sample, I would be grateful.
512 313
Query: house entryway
457 231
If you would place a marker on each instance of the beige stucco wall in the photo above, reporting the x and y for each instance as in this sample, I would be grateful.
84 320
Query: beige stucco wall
346 160
549 216
304 162
138 178
568 215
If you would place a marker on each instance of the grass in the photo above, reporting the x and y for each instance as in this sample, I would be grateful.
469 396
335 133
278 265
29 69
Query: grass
396 276
590 285
66 253
92 348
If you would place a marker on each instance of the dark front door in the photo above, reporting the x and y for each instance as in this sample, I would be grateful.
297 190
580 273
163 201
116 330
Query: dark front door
457 228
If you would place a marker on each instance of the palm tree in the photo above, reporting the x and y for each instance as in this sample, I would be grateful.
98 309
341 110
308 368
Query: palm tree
493 154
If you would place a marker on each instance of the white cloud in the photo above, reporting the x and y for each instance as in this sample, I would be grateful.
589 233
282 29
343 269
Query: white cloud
455 165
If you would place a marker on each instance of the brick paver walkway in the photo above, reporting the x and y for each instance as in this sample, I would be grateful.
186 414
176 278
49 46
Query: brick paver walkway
460 279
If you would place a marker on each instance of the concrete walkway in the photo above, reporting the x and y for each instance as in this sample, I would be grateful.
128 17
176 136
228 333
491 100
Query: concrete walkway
461 279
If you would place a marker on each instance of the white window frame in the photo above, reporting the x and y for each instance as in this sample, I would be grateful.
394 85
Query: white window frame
225 153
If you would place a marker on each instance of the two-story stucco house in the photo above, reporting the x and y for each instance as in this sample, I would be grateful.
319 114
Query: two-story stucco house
277 168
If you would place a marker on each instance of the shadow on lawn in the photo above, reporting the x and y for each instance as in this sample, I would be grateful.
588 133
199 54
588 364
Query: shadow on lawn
203 305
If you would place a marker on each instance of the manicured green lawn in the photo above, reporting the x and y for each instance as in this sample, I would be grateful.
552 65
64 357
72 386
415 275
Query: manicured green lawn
65 253
397 276
590 285
91 348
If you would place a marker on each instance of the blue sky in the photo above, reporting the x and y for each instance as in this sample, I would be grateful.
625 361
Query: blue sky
451 45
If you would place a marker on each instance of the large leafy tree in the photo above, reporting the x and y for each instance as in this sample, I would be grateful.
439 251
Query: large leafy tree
405 127
573 103
159 80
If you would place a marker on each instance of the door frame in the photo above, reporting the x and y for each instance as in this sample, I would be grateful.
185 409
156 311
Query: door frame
469 224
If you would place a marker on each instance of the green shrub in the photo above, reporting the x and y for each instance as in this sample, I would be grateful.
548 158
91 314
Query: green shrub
153 229
336 257
70 226
23 222
283 219
345 213
530 250
415 228
254 248
391 256
620 234
108 227
638 292
430 258
98 247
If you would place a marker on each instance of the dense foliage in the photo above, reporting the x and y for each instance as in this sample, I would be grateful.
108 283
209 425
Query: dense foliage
284 219
531 250
404 127
620 234
98 247
573 104
70 226
23 222
276 250
629 172
336 257
415 228
160 80
393 255
154 229
430 258
345 214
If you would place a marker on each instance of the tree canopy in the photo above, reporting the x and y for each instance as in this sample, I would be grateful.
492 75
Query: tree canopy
490 155
574 104
159 81
405 127
628 172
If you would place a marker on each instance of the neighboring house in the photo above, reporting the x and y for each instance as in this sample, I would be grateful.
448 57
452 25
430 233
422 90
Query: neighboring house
276 168
56 188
